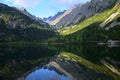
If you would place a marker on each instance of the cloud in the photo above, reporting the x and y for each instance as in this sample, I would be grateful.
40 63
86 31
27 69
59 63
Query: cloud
25 3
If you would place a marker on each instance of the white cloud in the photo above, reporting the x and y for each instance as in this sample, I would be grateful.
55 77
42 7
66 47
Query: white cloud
25 3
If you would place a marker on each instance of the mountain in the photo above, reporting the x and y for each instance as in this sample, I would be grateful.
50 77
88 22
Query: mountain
19 25
101 27
23 10
97 20
43 23
52 18
81 12
19 16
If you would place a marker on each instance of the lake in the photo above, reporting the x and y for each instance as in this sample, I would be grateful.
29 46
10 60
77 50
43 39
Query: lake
70 62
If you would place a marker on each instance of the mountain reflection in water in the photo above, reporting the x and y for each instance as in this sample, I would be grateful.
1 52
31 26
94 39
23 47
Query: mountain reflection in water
65 62
46 74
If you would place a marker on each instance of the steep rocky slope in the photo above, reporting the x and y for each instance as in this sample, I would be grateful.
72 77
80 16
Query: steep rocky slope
81 12
52 18
101 27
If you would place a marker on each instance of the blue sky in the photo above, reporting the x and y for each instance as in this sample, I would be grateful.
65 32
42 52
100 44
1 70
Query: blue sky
43 8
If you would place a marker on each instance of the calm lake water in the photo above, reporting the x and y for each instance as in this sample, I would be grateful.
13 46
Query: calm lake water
60 63
46 74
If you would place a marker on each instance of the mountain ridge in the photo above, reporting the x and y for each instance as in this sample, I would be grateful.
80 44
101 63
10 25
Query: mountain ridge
26 28
17 26
100 28
80 12
51 18
7 12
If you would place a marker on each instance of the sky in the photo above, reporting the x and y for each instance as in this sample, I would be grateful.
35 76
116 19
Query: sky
43 8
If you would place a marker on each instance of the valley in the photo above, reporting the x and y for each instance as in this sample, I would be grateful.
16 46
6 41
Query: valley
81 43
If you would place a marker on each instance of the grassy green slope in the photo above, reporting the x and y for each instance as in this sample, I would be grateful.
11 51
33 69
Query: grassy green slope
90 29
94 19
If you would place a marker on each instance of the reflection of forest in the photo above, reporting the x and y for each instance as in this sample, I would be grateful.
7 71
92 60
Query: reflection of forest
100 68
16 61
92 53
102 58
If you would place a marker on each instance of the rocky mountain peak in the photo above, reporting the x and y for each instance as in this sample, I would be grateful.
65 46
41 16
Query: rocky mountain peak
52 18
23 9
80 12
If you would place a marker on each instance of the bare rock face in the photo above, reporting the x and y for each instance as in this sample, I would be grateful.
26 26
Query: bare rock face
80 12
52 18
111 18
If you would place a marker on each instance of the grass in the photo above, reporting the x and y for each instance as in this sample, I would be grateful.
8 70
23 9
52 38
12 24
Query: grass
96 18
96 67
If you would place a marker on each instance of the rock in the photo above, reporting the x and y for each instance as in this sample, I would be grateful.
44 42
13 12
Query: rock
109 19
52 18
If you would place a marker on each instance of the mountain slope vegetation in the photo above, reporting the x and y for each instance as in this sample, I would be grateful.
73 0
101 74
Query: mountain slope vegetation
17 26
100 27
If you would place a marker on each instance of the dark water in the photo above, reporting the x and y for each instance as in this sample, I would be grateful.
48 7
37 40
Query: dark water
44 63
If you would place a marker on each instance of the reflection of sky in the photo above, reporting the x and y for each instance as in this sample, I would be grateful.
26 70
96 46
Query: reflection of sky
45 74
